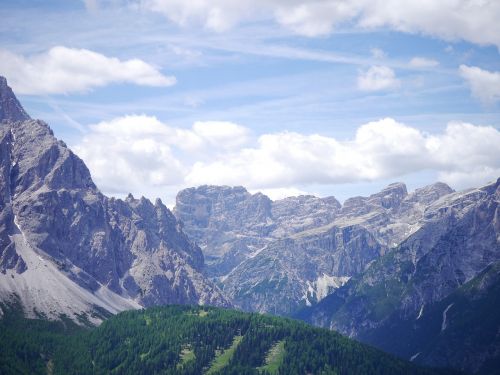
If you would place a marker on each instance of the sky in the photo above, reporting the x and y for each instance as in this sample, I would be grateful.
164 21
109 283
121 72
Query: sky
286 97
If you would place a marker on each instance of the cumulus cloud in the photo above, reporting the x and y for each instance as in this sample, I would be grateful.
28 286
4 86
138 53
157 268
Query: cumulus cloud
422 62
380 150
484 85
135 153
221 134
63 70
313 18
129 152
474 21
378 78
140 153
217 15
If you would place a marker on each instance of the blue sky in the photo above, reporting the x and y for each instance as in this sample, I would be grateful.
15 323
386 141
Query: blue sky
324 97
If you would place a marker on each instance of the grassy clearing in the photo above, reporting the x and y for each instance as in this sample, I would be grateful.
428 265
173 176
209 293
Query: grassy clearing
222 359
200 313
274 358
187 354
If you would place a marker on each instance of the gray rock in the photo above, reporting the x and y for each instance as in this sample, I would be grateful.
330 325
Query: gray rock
131 251
458 238
281 256
10 108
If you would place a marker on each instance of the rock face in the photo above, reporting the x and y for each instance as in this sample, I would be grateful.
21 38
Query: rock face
66 248
231 225
430 287
284 255
10 108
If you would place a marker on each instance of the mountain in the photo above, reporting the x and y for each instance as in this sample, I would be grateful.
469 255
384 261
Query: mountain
230 224
10 108
281 256
435 298
189 340
65 248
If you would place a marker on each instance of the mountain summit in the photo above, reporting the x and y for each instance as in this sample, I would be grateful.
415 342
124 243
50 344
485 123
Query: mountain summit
10 108
65 248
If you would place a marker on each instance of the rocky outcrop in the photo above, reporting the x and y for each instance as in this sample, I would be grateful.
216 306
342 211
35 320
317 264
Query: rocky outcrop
10 108
54 221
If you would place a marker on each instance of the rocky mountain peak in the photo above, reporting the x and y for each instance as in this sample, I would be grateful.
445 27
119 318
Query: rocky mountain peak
431 193
67 248
10 108
390 198
392 195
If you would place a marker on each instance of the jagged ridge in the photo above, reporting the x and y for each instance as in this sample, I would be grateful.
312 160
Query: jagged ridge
65 247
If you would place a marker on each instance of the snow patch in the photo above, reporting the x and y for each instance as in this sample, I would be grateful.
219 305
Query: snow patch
256 252
324 285
444 324
413 357
420 312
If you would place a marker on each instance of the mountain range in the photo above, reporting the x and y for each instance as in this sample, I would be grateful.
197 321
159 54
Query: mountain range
415 273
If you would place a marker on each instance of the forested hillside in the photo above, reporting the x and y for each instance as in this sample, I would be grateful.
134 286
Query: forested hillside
187 340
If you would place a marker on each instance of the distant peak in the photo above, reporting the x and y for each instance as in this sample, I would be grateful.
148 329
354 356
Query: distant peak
396 188
442 187
396 185
10 108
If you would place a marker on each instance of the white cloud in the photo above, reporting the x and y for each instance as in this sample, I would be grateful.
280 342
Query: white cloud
137 153
484 85
222 134
467 155
142 155
129 153
422 62
473 20
217 15
378 78
313 18
63 70
378 53
380 150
